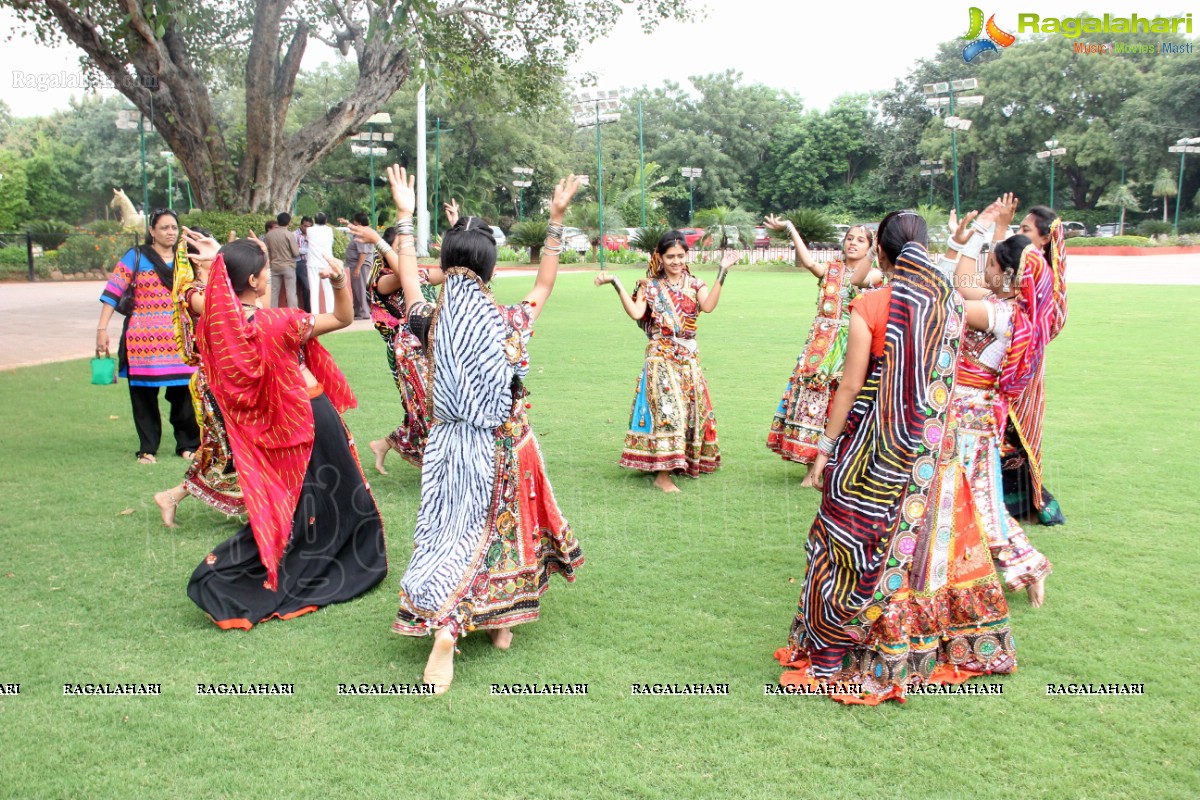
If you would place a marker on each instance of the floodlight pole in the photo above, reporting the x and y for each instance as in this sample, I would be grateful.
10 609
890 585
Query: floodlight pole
642 162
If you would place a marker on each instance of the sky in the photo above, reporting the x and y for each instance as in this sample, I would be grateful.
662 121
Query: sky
817 51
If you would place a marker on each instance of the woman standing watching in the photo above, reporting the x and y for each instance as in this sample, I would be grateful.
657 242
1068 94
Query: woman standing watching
672 428
489 532
802 412
148 356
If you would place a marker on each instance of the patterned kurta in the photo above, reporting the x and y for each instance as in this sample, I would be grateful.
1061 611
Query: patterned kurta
800 418
672 426
151 357
407 362
489 531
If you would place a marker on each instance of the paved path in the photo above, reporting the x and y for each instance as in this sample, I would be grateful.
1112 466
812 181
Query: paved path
56 321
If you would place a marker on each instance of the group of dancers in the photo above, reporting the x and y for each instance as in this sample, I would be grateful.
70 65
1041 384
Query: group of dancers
917 399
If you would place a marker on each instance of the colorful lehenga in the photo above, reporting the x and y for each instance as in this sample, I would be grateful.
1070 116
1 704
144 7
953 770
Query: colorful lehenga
1025 494
315 535
672 426
800 418
407 362
211 477
489 532
900 588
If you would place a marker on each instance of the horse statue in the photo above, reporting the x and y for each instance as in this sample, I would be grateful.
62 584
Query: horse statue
131 220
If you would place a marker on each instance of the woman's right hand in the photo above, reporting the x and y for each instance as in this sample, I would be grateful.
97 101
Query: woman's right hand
335 268
603 278
403 190
451 212
102 340
364 233
775 223
962 233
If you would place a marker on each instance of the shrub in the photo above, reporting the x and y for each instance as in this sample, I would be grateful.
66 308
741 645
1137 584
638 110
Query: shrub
624 256
49 233
222 222
84 252
1189 226
1154 227
105 226
529 233
507 253
570 257
646 239
812 225
1109 241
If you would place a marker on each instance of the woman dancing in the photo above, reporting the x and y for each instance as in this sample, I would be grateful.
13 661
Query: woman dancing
315 535
899 587
211 477
1024 492
672 428
800 417
147 352
405 354
489 531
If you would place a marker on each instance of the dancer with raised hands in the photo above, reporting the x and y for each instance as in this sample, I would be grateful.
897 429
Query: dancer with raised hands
314 536
489 532
672 427
800 417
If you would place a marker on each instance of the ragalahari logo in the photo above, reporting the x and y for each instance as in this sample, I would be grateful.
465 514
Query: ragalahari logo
995 36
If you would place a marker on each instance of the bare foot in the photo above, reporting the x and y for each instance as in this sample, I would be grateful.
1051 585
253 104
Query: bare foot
501 638
664 482
167 502
439 669
1037 592
380 448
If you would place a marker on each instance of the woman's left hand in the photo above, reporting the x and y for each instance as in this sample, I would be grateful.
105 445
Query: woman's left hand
206 246
815 477
403 190
261 245
335 270
1006 211
729 259
962 233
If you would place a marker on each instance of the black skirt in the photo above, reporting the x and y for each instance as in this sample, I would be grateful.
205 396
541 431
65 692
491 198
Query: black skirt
335 554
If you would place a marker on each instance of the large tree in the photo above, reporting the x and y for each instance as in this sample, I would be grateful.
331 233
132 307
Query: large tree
168 56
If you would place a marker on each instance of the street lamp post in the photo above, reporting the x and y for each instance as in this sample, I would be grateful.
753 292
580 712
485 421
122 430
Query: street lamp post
125 122
170 159
1052 150
1183 147
376 145
521 185
932 167
941 95
438 130
691 173
606 101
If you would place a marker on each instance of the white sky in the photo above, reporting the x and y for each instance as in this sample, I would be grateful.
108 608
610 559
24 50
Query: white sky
818 50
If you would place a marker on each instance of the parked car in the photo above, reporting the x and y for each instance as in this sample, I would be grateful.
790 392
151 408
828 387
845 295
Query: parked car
577 240
692 235
501 239
842 230
1074 229
733 238
762 237
1108 230
616 241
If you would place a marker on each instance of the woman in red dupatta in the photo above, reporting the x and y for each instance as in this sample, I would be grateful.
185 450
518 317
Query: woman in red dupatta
315 535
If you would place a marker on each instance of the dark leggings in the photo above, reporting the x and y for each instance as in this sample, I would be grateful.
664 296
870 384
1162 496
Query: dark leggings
148 422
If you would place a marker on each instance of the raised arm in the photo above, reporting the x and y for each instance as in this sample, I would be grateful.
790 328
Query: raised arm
803 256
635 308
405 197
206 250
548 268
451 209
708 298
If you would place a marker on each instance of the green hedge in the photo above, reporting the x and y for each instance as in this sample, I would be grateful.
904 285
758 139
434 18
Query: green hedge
222 222
1110 241
84 252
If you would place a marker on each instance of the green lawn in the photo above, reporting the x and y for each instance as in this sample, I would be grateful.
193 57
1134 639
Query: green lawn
696 587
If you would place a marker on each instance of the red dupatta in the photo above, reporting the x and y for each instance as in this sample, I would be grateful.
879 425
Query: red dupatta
253 369
1022 376
1058 266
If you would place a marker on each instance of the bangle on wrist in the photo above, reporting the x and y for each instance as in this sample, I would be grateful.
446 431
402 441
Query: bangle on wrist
825 445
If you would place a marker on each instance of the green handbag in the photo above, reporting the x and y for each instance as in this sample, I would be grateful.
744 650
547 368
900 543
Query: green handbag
104 369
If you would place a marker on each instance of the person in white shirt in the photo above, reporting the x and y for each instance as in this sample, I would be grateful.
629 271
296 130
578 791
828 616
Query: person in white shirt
320 249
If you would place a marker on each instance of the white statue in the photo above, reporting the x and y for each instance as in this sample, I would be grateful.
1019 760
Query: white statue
131 220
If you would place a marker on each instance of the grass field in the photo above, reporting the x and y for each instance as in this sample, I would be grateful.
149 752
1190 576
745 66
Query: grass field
696 587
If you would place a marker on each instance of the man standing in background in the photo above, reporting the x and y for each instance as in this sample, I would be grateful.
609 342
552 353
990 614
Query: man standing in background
282 251
302 289
359 256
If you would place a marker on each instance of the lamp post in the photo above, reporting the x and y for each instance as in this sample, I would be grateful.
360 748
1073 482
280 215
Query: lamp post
691 173
932 167
125 122
170 159
376 145
521 184
941 95
1183 147
1052 150
438 130
606 101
